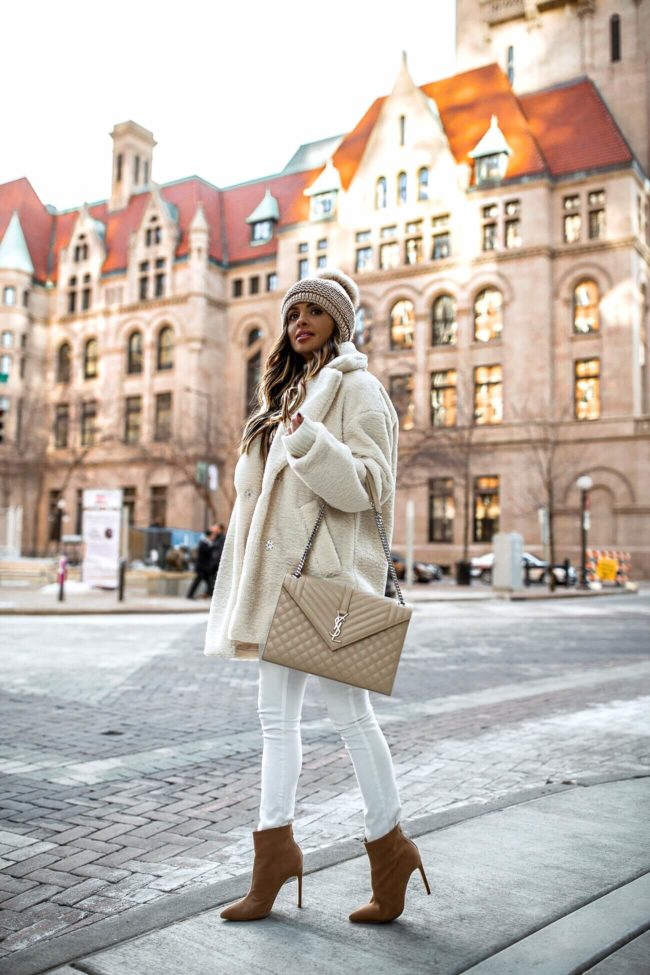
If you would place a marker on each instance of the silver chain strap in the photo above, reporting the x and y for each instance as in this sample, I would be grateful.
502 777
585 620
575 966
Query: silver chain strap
297 572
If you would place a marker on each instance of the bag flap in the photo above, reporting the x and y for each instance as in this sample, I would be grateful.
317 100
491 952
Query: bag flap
321 600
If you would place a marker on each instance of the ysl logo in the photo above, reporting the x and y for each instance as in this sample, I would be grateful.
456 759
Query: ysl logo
339 620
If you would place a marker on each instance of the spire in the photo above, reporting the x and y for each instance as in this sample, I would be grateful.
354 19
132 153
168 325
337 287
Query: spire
266 209
14 253
326 182
199 221
492 143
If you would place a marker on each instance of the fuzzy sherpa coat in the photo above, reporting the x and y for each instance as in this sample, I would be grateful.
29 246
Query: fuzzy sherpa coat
350 427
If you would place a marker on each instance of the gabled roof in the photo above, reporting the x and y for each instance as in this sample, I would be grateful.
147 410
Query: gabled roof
36 222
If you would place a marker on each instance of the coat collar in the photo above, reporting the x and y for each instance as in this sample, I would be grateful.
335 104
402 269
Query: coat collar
321 393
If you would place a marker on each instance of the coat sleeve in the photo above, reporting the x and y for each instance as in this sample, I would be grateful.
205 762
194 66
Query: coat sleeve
335 470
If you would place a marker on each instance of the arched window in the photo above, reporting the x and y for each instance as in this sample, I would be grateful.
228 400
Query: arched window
586 298
72 295
91 359
488 315
363 329
81 249
63 360
134 354
402 325
153 233
380 193
253 375
165 348
254 334
423 183
401 187
444 321
85 293
615 38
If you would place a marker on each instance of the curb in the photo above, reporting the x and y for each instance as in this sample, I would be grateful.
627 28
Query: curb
169 909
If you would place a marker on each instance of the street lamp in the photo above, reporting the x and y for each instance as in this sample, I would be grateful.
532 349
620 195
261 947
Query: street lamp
584 485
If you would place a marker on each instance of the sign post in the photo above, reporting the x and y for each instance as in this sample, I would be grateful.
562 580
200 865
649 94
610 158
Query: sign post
101 536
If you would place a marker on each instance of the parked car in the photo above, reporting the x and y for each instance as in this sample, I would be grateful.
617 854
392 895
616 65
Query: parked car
482 566
422 571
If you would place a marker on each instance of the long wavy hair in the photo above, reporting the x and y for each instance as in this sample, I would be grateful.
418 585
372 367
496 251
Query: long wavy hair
283 387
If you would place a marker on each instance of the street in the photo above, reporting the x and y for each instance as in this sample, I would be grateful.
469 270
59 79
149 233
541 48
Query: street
131 762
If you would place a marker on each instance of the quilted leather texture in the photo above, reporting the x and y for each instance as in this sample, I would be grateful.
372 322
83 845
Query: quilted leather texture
371 637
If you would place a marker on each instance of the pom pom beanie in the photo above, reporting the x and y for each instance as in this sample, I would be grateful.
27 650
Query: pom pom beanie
333 291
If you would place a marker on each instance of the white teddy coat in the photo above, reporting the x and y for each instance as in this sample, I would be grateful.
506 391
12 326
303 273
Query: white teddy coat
350 427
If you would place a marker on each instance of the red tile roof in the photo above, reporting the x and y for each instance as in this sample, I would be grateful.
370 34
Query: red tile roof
558 131
574 128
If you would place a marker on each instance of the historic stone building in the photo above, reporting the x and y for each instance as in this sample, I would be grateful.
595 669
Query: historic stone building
498 224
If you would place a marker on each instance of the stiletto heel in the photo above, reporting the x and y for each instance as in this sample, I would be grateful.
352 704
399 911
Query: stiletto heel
424 877
278 859
299 889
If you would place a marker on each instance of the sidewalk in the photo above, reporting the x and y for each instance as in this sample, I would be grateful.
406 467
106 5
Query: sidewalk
547 882
23 600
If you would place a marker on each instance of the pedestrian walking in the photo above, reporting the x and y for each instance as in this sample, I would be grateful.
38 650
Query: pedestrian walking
323 422
216 550
203 564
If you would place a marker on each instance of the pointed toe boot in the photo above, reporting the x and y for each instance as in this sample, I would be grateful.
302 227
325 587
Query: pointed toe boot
393 858
277 858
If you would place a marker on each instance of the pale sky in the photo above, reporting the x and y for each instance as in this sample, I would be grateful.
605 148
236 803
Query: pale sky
229 89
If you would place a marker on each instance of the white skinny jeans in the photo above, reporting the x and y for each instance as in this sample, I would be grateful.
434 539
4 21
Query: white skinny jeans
280 698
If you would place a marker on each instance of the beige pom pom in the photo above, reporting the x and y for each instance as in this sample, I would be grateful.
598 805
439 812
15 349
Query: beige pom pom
348 285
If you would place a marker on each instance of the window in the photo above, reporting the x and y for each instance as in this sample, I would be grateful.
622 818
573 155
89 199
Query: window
272 281
5 365
413 250
254 335
25 299
441 240
72 295
254 285
423 183
54 515
163 417
322 244
401 394
512 226
443 398
401 188
237 288
85 293
303 268
79 512
388 231
596 206
153 233
253 376
134 354
488 315
165 348
587 389
88 423
441 509
261 231
303 247
158 506
389 255
363 259
136 169
489 216
402 129
572 219
362 236
322 205
586 298
486 508
444 321
61 425
510 64
91 359
119 162
143 285
133 419
9 295
615 38
321 260
488 395
363 329
7 340
159 278
380 194
81 249
63 363
402 325
128 501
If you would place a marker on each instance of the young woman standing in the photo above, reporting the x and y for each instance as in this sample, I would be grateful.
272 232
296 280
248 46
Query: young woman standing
322 423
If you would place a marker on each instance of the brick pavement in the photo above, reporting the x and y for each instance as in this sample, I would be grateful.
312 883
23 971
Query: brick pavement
136 772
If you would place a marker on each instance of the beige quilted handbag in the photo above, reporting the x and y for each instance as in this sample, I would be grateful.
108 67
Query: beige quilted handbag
331 629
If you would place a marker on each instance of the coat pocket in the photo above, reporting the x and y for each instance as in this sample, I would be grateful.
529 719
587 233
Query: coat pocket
323 550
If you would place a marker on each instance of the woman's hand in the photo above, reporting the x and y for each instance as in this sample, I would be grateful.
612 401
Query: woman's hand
295 422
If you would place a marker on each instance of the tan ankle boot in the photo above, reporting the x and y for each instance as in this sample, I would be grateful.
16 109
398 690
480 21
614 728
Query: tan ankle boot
277 858
393 858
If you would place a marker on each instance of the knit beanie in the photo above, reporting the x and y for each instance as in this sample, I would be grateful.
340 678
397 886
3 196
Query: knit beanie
334 291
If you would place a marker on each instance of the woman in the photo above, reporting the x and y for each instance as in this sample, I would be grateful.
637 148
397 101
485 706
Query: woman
323 422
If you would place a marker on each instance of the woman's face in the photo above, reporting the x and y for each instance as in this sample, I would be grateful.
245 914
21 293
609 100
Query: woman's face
309 326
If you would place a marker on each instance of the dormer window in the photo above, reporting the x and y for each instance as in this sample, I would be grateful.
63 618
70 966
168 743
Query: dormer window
81 249
153 233
261 231
491 155
322 205
263 219
324 192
